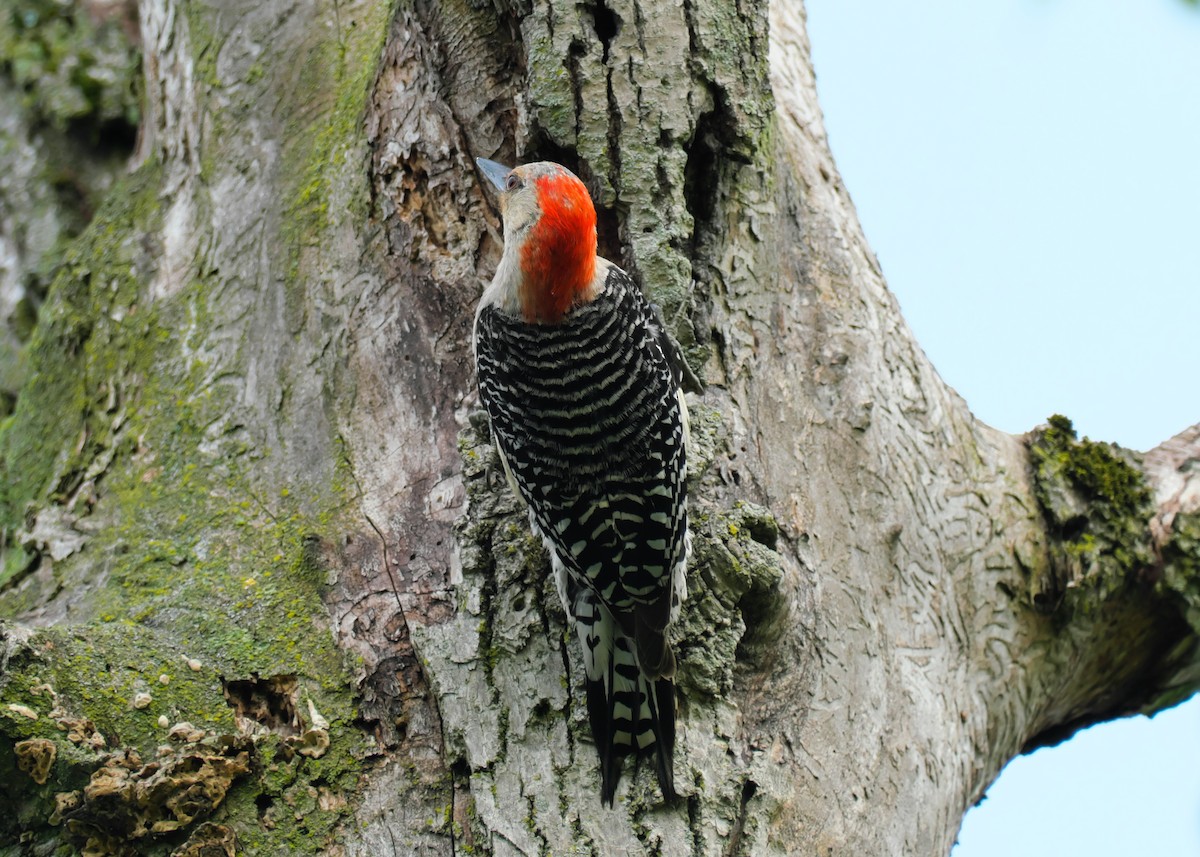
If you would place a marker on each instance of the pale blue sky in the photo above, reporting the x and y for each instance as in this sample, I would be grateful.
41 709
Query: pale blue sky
1028 172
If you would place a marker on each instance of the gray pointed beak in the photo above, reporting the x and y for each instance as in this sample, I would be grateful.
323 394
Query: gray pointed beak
496 173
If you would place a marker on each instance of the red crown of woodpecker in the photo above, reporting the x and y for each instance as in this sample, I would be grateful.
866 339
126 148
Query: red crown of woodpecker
559 254
555 253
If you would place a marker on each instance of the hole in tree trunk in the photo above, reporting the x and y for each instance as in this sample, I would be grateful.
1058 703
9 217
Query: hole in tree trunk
264 703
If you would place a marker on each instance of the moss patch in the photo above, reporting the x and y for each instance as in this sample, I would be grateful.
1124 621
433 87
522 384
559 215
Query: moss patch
73 65
94 339
1097 508
190 563
338 74
201 569
1181 564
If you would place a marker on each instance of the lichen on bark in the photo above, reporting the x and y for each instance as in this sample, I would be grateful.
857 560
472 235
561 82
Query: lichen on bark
657 110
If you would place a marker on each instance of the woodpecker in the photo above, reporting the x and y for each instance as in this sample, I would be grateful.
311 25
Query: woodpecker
576 372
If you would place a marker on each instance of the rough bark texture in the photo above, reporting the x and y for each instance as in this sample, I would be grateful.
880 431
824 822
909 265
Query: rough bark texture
250 513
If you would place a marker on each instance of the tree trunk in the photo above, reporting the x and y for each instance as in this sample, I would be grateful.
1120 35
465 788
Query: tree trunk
266 594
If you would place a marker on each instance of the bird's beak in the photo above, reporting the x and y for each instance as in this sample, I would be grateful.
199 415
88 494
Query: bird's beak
496 173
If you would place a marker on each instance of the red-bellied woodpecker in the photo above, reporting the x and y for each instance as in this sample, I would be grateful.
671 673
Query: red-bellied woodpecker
575 371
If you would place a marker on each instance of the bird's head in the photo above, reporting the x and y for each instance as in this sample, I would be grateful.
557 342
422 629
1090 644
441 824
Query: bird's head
549 262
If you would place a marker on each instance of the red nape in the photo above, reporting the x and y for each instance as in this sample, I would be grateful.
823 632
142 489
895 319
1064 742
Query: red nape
559 256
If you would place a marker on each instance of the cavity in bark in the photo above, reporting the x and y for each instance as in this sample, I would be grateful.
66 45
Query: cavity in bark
270 702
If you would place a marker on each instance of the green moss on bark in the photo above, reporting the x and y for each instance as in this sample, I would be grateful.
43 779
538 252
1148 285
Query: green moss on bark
1097 507
321 156
96 338
75 64
1181 563
189 552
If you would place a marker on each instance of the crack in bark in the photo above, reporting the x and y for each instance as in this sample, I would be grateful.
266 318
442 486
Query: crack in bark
733 848
576 50
694 816
606 23
614 140
564 640
639 23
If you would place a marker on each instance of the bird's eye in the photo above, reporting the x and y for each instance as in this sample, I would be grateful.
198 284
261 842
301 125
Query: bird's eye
512 182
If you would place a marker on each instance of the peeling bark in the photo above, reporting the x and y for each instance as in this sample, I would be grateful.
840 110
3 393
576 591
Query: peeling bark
251 497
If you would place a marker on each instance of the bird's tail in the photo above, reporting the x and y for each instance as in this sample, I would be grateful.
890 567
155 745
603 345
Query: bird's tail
630 713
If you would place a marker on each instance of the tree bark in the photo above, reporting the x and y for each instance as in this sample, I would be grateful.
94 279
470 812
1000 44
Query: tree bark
265 594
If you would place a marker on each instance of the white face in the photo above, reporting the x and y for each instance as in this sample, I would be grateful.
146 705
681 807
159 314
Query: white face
519 205
520 211
517 192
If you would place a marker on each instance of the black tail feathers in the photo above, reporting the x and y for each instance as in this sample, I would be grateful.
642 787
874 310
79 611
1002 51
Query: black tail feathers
637 719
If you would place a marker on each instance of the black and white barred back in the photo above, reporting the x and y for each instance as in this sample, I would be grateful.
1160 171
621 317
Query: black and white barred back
588 418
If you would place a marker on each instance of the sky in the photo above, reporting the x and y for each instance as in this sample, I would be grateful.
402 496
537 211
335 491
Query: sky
1028 173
